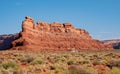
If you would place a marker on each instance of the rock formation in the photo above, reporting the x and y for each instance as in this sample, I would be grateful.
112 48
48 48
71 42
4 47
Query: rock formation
114 43
44 36
5 40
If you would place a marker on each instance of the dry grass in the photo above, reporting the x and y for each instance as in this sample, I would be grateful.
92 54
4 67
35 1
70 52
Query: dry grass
82 62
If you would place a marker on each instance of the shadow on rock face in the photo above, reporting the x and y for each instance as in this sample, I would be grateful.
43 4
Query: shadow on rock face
115 43
6 40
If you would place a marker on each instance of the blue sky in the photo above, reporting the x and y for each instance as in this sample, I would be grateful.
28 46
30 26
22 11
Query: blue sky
100 17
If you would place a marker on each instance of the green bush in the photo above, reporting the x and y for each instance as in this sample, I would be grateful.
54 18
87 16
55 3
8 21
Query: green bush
9 64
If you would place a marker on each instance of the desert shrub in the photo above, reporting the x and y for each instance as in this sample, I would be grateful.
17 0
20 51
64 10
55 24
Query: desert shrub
113 63
9 64
76 69
82 62
79 62
53 67
26 59
1 61
115 71
68 55
104 62
4 72
62 59
36 62
0 72
81 71
34 69
57 66
15 72
95 55
96 62
59 69
86 61
91 70
16 54
10 71
109 54
70 62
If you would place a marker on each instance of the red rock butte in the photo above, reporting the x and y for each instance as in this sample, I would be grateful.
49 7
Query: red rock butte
44 36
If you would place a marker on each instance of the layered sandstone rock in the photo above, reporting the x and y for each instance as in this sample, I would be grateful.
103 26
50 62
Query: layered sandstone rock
44 36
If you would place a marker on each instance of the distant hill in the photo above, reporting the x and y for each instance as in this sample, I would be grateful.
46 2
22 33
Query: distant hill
5 40
115 43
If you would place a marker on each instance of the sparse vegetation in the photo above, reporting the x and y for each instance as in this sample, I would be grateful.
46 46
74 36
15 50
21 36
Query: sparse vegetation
27 62
9 64
36 62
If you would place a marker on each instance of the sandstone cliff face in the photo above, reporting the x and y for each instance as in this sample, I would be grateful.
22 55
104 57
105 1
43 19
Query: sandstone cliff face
44 36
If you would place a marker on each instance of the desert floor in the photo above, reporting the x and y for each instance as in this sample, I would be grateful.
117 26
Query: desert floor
61 62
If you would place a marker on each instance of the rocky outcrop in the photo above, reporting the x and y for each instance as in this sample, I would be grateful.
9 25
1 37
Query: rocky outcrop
5 40
44 36
114 43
